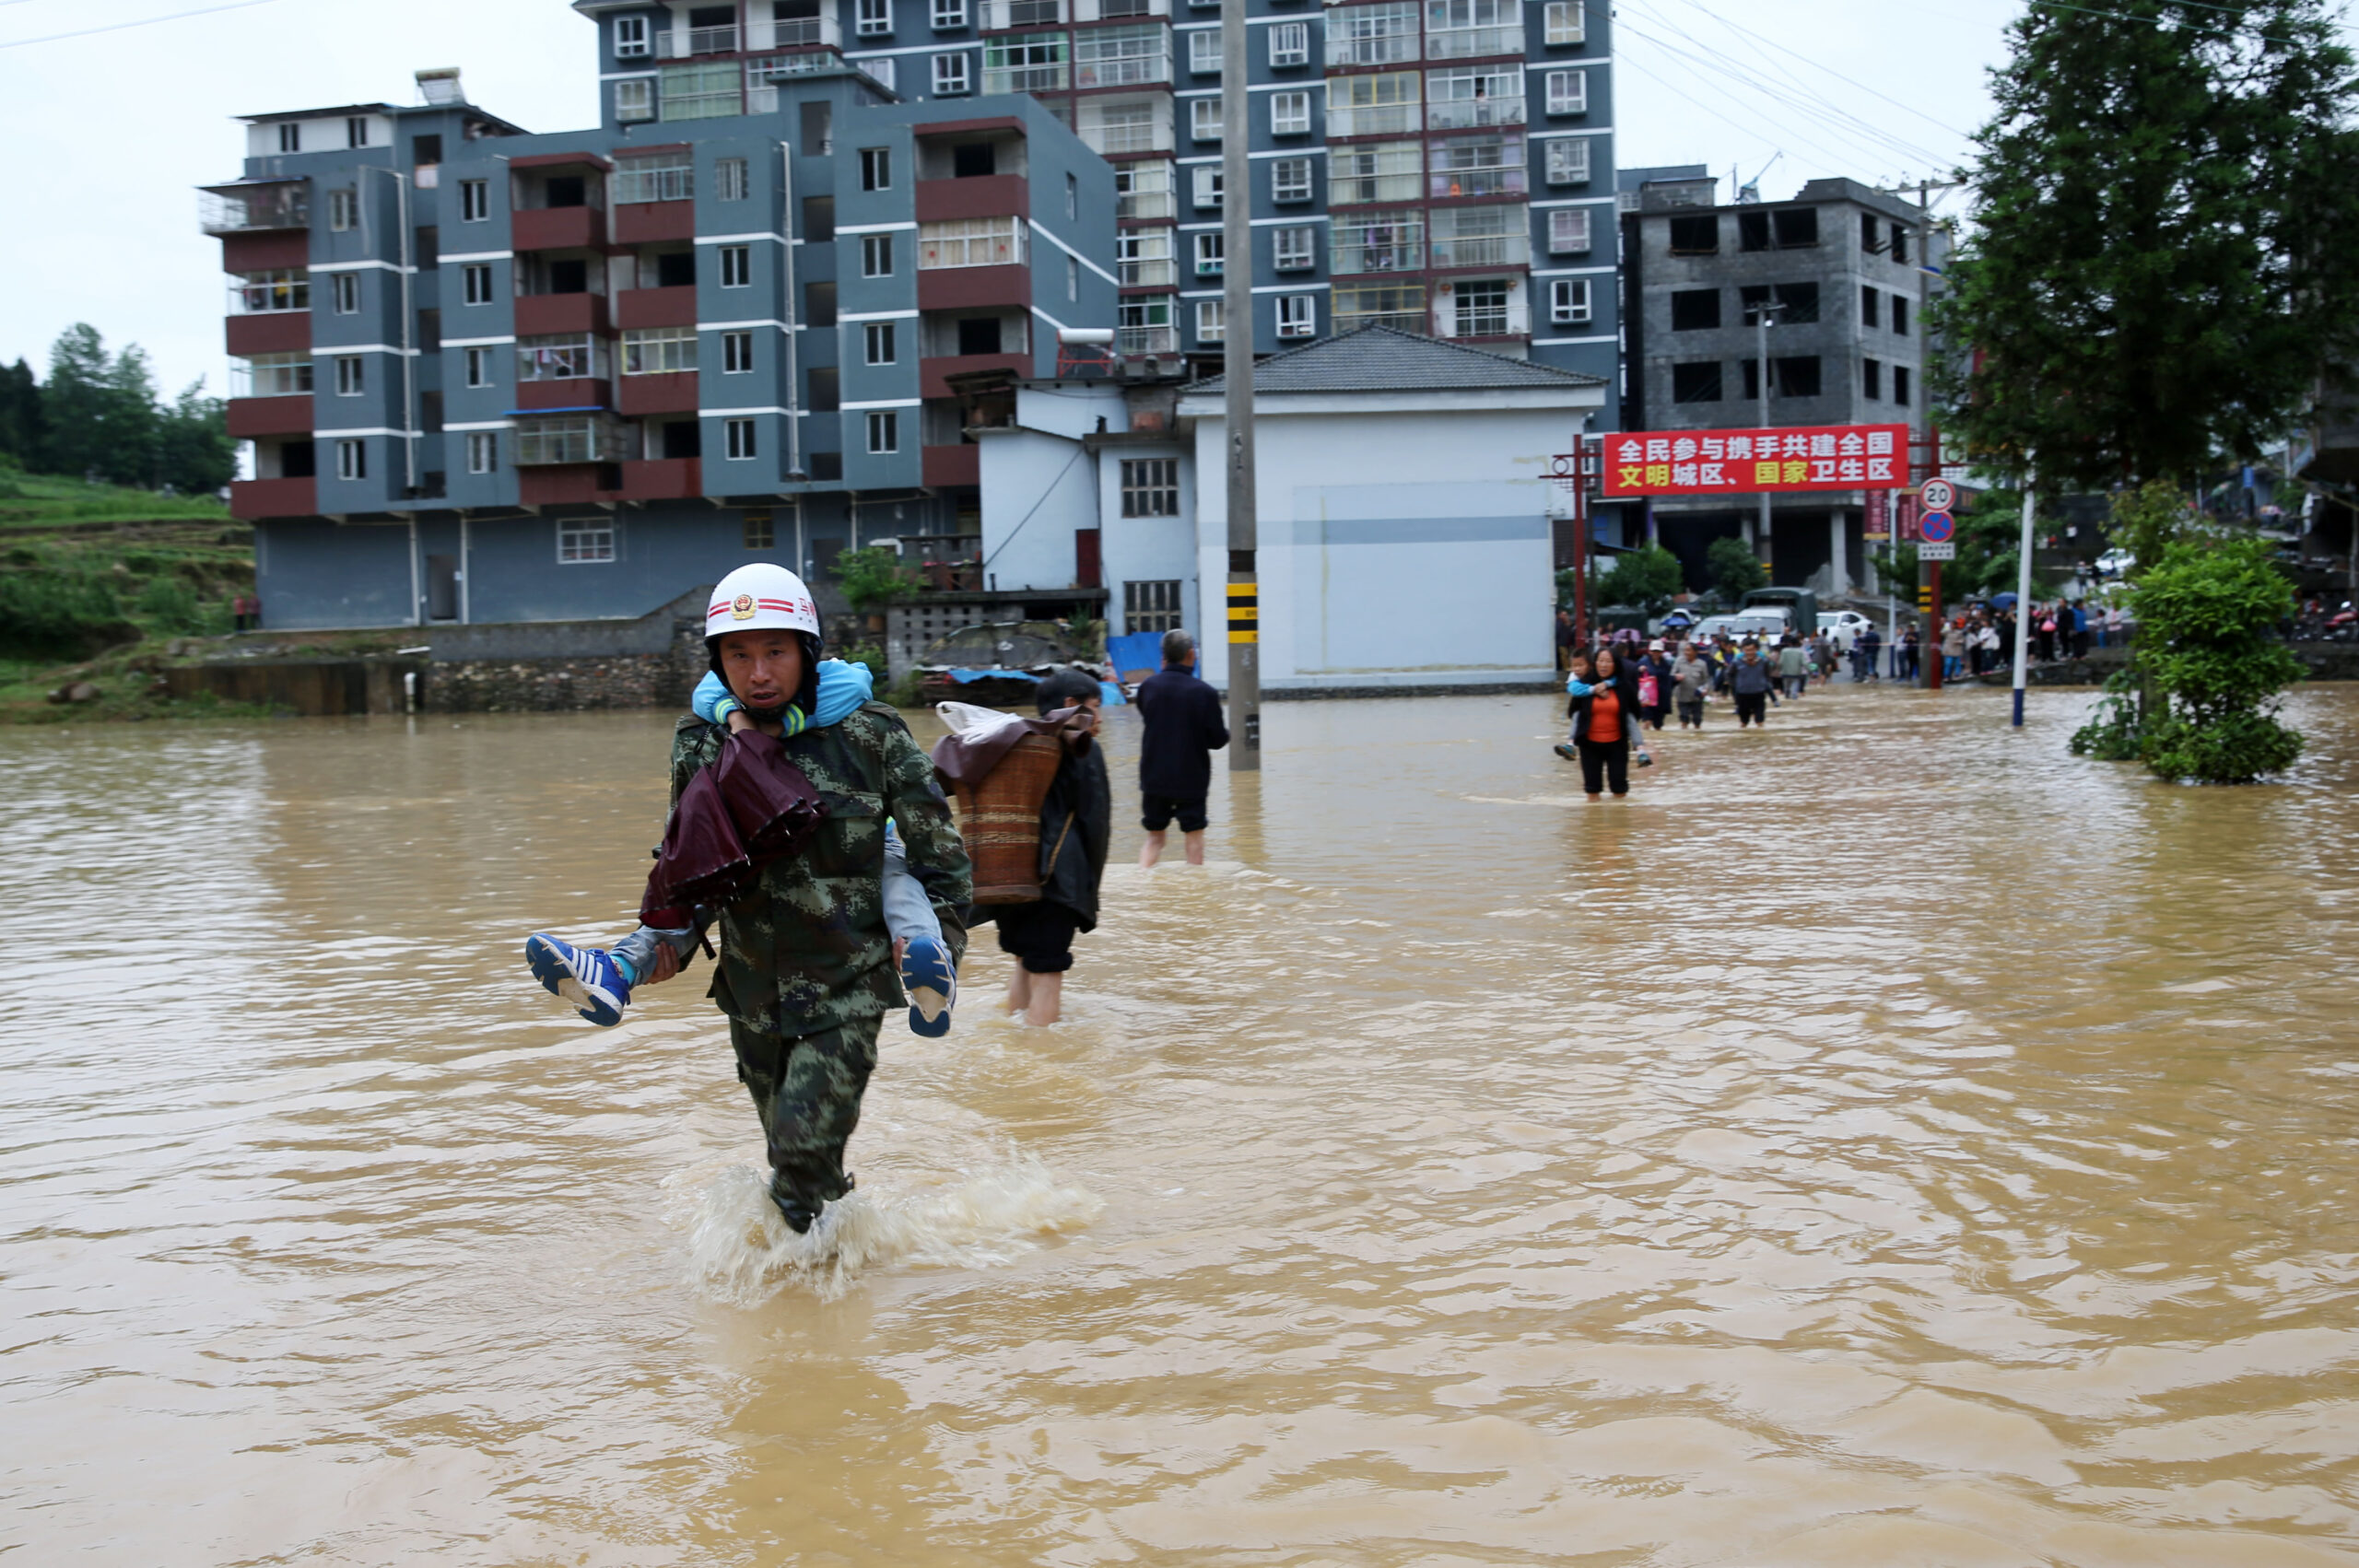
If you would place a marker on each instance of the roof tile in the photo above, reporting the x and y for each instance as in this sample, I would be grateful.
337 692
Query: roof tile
1387 359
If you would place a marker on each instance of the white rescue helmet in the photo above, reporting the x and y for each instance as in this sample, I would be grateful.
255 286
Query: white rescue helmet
761 596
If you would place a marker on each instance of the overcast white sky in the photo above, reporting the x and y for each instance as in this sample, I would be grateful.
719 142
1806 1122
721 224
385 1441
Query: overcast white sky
116 130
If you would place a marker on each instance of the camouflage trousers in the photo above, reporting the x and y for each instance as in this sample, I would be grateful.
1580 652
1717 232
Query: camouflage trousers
806 1089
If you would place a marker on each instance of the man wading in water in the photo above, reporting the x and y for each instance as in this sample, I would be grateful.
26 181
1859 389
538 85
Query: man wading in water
806 970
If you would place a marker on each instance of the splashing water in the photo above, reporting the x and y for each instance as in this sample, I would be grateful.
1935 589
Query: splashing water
740 1253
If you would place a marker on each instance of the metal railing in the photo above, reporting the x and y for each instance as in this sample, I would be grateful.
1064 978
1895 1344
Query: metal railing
282 206
1148 273
1145 203
804 32
1024 78
1351 259
1484 251
1374 119
688 43
1382 48
1135 341
1445 185
1001 15
1471 43
1455 114
1400 321
1121 70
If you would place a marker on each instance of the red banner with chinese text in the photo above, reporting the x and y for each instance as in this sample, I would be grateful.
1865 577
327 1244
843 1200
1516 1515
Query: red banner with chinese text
1740 463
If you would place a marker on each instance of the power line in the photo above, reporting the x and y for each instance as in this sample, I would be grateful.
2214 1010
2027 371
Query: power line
2157 21
1848 81
119 27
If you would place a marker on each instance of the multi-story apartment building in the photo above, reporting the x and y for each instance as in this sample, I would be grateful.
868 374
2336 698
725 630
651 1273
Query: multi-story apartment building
1443 166
495 376
1841 272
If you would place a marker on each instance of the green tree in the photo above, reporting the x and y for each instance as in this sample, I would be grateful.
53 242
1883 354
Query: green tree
1735 569
874 577
2164 203
1647 579
194 451
22 428
100 410
2212 666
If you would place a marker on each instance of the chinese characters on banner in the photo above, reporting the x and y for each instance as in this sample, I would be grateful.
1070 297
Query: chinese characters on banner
1740 463
1878 522
1905 530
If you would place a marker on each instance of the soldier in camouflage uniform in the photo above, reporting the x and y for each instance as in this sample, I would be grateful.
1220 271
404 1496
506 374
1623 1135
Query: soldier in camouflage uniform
808 972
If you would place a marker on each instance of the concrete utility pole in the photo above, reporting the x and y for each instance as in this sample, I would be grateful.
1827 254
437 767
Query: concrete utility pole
2023 605
1237 341
1933 634
1761 319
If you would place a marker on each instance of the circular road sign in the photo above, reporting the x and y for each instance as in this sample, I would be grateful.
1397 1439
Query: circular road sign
1937 528
1939 495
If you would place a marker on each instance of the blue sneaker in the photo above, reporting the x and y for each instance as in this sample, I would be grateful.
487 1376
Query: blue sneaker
933 986
585 978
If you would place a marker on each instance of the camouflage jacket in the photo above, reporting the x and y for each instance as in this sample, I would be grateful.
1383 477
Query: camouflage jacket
808 948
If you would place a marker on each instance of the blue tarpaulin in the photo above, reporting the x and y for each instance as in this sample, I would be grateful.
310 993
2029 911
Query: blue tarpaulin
1139 650
965 677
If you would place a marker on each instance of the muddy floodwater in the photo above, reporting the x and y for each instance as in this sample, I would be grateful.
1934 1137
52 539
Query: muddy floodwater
1884 1141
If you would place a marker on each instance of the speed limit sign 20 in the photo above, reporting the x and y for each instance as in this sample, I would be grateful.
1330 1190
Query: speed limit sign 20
1939 495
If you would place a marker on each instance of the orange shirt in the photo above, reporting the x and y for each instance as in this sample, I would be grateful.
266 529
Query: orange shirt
1606 715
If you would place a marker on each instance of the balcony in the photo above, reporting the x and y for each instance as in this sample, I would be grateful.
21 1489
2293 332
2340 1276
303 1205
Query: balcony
968 289
569 393
1119 10
1050 77
253 416
807 33
246 208
1399 321
558 228
545 315
948 466
672 392
1458 114
1153 271
1378 49
999 15
935 371
1138 342
981 195
649 223
664 479
287 333
252 499
656 307
570 485
1472 43
686 44
1144 204
1483 250
1376 119
1112 58
1453 185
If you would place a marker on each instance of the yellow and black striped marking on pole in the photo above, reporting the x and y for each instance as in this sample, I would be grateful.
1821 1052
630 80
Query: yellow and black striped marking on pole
1244 612
1925 600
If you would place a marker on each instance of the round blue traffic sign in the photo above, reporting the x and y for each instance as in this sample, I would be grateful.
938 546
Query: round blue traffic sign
1937 527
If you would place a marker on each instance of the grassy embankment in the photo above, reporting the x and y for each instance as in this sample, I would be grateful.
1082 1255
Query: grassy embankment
105 585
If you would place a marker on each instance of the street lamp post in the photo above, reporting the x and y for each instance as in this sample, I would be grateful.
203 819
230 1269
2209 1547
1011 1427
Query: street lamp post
1760 315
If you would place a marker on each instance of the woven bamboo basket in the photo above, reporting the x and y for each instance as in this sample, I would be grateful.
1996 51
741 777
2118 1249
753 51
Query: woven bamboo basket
1000 819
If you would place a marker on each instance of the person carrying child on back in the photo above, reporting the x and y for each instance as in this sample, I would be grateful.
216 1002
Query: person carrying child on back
808 945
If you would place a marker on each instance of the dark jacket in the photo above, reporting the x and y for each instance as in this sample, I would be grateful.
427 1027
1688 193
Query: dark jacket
1625 691
1076 821
1183 728
1750 677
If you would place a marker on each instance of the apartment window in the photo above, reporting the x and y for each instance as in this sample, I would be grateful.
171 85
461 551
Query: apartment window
1568 231
569 356
1211 319
948 14
1116 57
875 19
1297 315
970 243
1031 62
345 287
1144 326
1072 199
1387 171
950 75
1694 310
1568 161
1476 165
1392 241
760 532
879 341
1294 249
1398 305
1208 254
659 351
1205 182
876 255
1698 236
1072 278
476 277
280 288
1481 309
1899 244
1151 606
1373 35
483 451
740 435
1900 385
475 200
631 43
736 266
543 439
356 131
1868 311
1788 228
1793 377
1868 241
1899 316
1568 92
478 367
1568 301
1871 378
1290 179
1150 486
1289 114
1474 95
876 168
1203 118
290 137
667 177
351 377
1143 258
1695 380
270 375
1563 22
736 353
352 460
634 100
586 541
729 179
1290 44
883 430
1204 51
344 210
1795 303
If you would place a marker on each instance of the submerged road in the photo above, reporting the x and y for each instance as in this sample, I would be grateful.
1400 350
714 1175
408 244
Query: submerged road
1884 1140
